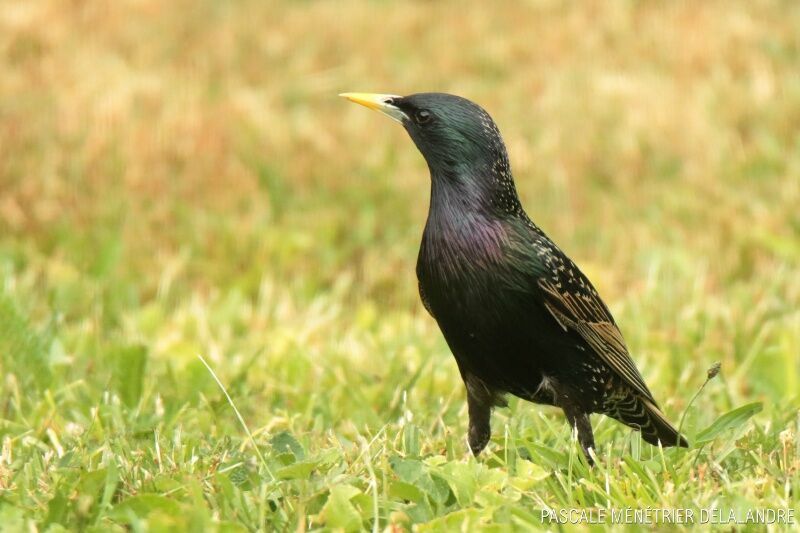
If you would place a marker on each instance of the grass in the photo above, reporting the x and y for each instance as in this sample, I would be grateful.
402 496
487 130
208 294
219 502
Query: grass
180 179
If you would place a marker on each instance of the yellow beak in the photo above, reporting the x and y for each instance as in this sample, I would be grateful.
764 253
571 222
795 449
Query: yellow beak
378 102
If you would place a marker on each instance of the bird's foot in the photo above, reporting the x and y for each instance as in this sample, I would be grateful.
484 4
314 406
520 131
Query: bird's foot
589 453
477 439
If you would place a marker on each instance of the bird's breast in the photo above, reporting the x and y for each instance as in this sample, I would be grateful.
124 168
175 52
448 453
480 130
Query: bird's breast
460 264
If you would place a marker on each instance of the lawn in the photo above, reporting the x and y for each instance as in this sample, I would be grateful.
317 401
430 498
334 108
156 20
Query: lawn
209 316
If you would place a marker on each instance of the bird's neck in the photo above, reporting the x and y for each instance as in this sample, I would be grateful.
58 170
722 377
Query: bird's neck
460 241
466 224
484 190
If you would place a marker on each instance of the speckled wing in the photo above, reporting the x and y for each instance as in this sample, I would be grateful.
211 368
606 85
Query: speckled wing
575 305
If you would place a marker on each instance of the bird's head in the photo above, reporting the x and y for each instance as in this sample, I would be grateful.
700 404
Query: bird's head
456 136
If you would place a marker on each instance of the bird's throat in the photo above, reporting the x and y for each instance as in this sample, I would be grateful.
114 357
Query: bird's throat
460 237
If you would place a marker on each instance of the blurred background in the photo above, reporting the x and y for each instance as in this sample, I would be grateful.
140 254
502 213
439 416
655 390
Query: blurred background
180 178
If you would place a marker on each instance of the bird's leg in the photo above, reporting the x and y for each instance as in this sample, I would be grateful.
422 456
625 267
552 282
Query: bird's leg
579 420
585 435
480 399
480 429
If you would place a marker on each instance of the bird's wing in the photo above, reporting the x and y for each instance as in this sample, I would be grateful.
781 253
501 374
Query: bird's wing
575 305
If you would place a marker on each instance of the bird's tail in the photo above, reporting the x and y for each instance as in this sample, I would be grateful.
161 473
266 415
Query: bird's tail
644 415
659 428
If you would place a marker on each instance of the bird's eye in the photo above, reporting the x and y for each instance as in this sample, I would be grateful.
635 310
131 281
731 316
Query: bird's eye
422 116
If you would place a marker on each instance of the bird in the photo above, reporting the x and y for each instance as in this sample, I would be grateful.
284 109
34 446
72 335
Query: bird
517 313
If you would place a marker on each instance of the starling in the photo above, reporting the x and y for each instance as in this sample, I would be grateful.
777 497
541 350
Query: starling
517 313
